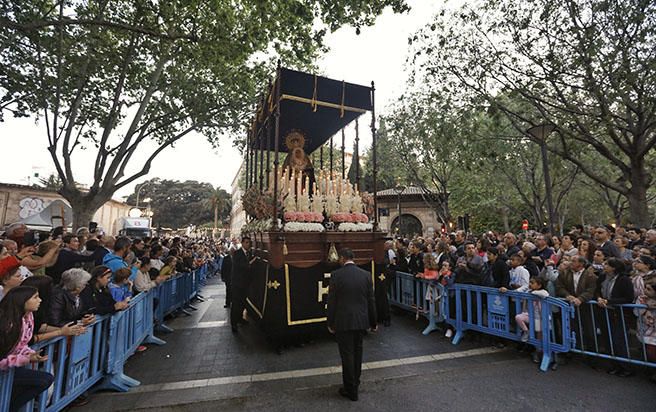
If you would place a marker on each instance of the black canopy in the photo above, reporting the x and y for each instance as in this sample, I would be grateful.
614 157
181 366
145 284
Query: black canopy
316 106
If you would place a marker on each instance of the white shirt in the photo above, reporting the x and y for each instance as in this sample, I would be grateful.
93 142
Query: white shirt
156 263
391 255
577 277
520 276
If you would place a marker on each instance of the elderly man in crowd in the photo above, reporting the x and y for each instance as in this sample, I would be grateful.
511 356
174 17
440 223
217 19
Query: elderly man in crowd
604 242
69 257
469 267
16 232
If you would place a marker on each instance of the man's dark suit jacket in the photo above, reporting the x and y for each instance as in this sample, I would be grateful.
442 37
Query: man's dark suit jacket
240 268
351 303
585 290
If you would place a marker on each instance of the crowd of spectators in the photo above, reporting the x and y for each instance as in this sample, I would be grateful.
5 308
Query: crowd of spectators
54 284
606 265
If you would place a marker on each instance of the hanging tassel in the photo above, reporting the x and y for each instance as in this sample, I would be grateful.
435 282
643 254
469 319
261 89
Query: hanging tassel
341 109
313 103
332 253
285 251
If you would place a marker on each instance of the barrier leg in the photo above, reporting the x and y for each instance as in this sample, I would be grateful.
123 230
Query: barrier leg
119 382
432 322
546 361
152 339
161 327
458 336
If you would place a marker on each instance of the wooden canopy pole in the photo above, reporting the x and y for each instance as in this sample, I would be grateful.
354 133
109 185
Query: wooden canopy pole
343 155
276 99
356 155
331 157
373 150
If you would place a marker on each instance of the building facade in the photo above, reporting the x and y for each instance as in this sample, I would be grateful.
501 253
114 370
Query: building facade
418 216
18 202
237 214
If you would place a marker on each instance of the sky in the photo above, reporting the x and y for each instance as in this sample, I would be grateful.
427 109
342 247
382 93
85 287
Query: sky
378 54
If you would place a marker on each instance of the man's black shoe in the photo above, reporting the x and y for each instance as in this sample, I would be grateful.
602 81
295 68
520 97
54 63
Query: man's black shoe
234 329
226 306
343 392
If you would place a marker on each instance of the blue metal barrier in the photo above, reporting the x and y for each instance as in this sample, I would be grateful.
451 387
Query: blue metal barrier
6 382
77 364
489 311
615 333
80 362
409 292
127 330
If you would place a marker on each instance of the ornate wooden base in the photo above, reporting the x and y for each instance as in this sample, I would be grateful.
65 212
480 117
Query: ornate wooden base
288 292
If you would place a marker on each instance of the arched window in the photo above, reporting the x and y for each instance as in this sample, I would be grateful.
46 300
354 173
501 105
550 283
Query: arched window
410 226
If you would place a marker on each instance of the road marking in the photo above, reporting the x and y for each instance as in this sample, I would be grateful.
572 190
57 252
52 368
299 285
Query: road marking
270 376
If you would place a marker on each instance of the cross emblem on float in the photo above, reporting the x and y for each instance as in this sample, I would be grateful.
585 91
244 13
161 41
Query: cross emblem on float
323 290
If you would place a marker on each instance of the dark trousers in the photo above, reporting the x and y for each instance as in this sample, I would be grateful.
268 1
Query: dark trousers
28 384
350 350
228 298
238 305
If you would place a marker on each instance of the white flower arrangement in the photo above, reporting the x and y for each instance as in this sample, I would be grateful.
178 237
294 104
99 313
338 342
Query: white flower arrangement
355 227
303 227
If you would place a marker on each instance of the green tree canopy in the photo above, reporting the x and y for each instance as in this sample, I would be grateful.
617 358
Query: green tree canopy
586 67
178 204
109 75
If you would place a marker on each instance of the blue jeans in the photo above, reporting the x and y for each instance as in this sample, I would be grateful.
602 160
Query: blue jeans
28 384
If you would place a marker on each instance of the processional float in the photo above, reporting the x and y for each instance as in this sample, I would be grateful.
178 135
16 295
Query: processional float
301 213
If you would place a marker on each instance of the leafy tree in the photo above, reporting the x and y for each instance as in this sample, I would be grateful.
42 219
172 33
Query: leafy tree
585 67
52 182
221 203
178 204
390 166
110 75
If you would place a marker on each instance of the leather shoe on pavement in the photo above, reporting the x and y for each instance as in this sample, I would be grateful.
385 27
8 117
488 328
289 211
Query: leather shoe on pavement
343 392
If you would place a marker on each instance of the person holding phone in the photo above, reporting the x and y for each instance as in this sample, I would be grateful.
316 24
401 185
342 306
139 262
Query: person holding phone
66 305
16 330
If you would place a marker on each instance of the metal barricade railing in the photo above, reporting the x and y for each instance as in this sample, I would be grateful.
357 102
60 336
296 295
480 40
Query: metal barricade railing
127 330
76 362
424 297
6 382
490 311
618 332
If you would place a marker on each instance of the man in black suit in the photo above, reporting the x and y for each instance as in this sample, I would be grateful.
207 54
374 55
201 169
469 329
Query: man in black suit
351 311
226 274
241 276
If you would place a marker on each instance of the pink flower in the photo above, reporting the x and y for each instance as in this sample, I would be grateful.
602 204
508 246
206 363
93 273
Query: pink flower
291 216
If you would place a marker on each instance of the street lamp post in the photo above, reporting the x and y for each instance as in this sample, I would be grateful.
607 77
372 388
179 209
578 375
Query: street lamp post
141 186
399 188
540 133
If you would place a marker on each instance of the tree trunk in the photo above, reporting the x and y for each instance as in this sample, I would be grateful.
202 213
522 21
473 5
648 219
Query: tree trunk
504 218
84 206
637 196
216 218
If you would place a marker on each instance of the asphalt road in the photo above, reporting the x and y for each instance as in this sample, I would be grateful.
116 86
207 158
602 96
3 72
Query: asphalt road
204 367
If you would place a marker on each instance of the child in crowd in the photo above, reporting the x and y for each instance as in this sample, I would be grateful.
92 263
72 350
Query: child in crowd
16 330
430 268
518 275
536 287
446 278
446 275
169 269
121 287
